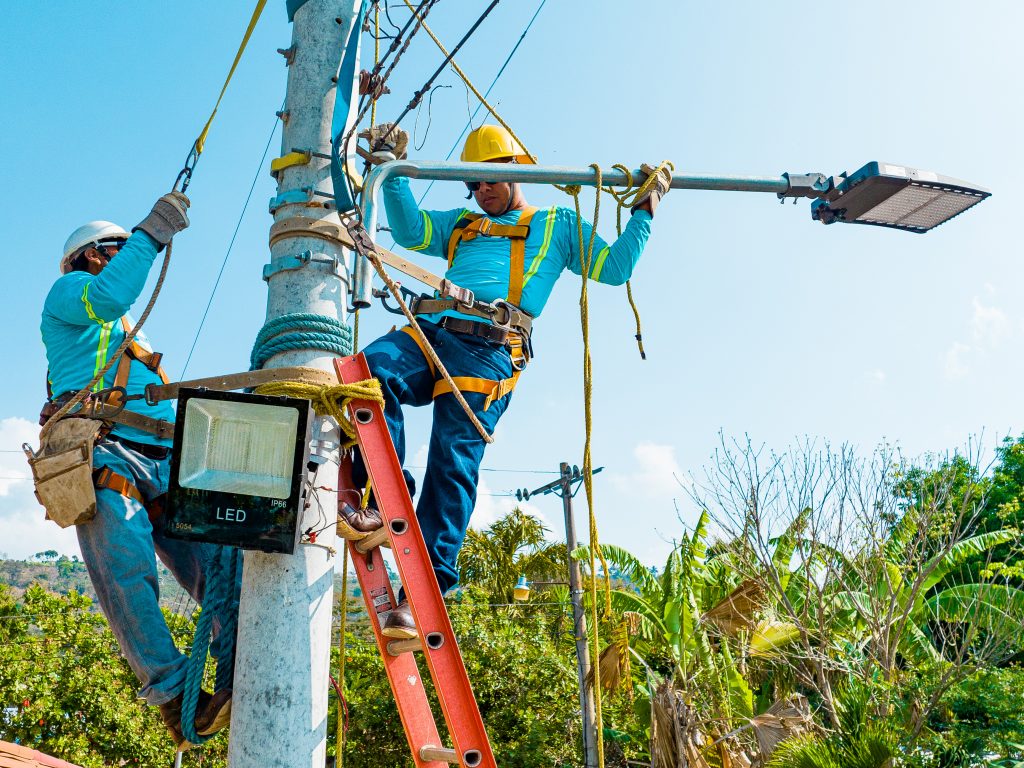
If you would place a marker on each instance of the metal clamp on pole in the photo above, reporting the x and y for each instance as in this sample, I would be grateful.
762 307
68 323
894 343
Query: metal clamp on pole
812 185
304 259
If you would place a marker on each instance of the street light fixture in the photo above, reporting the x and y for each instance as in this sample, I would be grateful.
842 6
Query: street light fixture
895 196
880 194
238 465
521 591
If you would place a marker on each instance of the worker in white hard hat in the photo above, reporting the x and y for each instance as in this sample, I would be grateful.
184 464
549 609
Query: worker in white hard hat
85 319
510 257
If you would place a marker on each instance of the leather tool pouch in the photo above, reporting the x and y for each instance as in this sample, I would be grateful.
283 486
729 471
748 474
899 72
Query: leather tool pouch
62 471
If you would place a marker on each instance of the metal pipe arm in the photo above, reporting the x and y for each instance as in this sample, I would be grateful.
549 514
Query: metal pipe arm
786 185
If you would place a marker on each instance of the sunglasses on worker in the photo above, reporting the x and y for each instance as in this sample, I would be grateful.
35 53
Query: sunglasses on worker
109 248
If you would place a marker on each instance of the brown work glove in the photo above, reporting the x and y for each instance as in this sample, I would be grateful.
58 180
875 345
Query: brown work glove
657 190
387 137
168 217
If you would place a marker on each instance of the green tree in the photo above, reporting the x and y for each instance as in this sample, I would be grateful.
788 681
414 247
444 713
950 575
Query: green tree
66 690
524 681
515 545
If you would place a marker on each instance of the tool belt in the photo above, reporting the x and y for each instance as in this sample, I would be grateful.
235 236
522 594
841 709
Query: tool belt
108 406
62 471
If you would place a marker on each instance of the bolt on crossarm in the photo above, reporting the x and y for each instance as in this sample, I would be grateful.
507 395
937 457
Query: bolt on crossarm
814 185
279 713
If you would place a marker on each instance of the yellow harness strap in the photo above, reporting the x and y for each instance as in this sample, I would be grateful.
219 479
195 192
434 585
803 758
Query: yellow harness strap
419 343
495 390
482 226
456 236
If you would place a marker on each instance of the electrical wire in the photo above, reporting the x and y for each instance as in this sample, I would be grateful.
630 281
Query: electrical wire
231 245
430 118
339 146
469 123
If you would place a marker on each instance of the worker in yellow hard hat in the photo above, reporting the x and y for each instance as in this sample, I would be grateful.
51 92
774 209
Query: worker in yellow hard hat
510 256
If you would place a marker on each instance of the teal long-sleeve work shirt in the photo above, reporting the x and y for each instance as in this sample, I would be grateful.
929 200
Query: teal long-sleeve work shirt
482 264
81 328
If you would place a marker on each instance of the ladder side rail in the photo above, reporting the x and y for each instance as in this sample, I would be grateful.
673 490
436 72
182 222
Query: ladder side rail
440 648
402 671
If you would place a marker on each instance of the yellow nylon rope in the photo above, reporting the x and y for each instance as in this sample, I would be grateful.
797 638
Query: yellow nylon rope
201 141
586 260
468 82
330 400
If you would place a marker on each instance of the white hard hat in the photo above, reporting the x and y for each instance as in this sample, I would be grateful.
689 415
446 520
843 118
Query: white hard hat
92 234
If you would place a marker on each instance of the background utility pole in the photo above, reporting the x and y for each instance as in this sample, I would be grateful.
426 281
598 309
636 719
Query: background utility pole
563 487
279 717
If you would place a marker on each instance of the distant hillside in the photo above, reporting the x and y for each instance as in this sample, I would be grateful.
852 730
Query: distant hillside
61 574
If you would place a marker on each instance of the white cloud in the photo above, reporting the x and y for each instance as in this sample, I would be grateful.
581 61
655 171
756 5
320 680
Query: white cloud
956 366
657 475
877 375
990 325
23 529
25 532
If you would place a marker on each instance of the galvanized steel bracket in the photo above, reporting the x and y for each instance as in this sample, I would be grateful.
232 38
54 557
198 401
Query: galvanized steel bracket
335 265
302 196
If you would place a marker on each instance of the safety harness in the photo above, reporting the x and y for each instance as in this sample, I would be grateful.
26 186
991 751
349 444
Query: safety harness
510 325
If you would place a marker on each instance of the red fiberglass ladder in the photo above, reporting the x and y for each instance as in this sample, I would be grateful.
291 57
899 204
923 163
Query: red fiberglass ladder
436 639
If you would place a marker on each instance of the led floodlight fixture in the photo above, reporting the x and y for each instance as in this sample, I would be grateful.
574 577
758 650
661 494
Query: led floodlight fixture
237 469
886 195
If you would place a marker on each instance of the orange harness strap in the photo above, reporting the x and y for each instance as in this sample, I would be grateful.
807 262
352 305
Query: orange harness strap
495 390
478 226
419 343
135 351
107 478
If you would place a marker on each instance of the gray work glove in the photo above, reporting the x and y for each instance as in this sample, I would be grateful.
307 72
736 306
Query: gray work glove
167 218
382 138
658 190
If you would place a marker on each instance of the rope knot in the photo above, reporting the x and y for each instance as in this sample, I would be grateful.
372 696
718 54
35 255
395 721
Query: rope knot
328 400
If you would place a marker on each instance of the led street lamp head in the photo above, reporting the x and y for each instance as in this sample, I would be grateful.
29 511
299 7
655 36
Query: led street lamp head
895 196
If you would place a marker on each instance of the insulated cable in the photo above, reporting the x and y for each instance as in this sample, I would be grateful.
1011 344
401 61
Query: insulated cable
231 245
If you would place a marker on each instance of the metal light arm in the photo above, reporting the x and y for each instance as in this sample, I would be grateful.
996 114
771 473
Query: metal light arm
814 185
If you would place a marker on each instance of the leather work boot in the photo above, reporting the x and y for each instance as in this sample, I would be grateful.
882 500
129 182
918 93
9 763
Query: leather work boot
355 522
399 624
213 712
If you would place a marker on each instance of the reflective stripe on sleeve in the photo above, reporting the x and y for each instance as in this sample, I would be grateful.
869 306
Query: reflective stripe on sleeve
428 233
595 273
549 227
101 352
88 305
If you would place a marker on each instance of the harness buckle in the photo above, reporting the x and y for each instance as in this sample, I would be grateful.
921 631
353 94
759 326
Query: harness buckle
502 316
450 290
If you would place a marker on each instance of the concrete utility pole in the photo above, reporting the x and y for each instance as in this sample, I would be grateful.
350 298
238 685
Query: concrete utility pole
279 716
579 623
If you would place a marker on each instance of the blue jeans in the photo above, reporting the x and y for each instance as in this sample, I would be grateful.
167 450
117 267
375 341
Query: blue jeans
119 547
456 448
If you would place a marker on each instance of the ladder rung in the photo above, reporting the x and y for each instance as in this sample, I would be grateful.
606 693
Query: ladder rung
439 753
373 540
398 647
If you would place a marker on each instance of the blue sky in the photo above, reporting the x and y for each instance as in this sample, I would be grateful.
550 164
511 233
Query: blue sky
756 320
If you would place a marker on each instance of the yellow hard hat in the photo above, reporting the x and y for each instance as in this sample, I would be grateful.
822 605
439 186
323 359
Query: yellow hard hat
493 142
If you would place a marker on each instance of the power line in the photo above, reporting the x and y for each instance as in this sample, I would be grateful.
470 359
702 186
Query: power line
231 245
491 469
487 93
